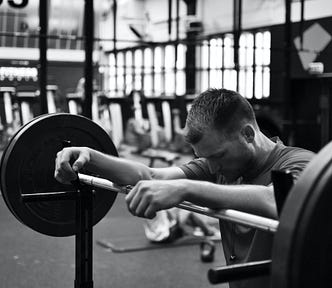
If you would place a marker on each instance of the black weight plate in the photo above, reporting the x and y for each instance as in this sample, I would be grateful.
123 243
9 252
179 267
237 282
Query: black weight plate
302 249
27 166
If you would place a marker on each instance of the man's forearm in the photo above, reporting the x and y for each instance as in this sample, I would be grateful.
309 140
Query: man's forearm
118 170
255 199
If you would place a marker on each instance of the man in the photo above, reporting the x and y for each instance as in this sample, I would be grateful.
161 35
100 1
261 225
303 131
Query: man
232 170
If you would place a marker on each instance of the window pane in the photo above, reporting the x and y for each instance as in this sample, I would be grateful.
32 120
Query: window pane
147 57
258 83
138 69
138 61
205 55
120 71
148 85
229 52
180 83
204 80
249 83
230 79
169 83
158 63
242 50
129 72
267 46
259 40
266 82
216 79
158 84
129 59
267 39
181 60
242 82
219 56
213 53
169 57
250 50
129 83
112 79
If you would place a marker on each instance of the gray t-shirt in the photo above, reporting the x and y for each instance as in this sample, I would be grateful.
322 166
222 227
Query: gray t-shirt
248 244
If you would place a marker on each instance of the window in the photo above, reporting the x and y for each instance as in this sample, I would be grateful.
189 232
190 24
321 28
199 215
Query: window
160 70
217 69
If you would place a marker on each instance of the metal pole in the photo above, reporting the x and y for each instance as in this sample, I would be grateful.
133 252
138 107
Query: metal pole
289 113
83 239
237 28
250 220
190 68
169 19
302 23
115 9
88 67
42 71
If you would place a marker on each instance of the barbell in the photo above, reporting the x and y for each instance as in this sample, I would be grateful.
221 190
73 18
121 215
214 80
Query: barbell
303 234
231 215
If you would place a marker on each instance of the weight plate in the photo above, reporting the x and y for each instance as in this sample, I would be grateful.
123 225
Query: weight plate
27 166
302 249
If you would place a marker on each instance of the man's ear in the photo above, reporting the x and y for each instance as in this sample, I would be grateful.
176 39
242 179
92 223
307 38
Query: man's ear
248 133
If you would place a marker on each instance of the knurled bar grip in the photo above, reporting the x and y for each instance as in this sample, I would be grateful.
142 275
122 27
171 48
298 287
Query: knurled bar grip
250 220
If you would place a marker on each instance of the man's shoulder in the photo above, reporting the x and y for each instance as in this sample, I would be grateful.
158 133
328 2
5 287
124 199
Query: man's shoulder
292 159
295 153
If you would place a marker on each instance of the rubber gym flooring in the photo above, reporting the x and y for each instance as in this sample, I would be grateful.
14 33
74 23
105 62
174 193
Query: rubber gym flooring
32 260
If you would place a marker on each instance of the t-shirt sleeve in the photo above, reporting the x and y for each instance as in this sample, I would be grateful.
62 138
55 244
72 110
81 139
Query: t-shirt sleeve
297 162
198 169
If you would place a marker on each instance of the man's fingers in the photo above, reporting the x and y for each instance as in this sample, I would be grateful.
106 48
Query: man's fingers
64 172
131 195
150 212
141 207
133 199
79 163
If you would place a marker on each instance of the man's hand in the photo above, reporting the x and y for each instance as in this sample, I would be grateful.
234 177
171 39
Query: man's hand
149 196
65 172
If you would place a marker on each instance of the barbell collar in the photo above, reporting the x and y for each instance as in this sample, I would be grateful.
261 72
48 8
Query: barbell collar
250 220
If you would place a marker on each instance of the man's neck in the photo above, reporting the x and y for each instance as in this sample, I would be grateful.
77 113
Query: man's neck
263 148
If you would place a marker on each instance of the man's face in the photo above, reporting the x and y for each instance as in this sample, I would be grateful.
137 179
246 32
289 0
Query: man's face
227 155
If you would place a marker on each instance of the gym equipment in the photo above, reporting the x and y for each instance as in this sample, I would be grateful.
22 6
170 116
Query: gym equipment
6 111
37 200
231 215
301 249
27 167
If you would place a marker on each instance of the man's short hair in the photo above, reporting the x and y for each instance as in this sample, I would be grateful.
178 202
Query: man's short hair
220 109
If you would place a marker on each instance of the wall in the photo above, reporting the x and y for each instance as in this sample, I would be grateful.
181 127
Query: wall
317 45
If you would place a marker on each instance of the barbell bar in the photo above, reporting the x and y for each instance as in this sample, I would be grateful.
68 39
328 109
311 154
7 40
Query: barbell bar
250 220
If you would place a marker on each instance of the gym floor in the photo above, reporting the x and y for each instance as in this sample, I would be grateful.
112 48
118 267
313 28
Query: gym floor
30 259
